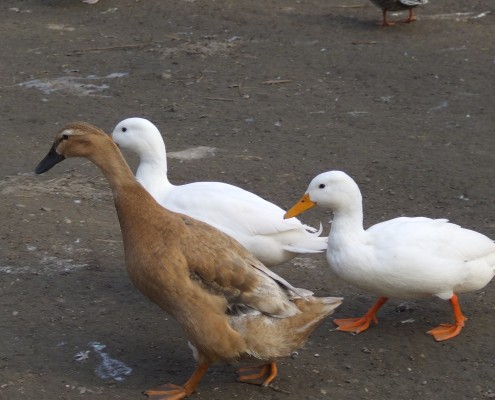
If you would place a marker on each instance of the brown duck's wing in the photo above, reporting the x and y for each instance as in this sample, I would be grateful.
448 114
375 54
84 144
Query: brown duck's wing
224 267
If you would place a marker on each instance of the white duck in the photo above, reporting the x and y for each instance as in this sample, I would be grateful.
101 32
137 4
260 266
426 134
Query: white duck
402 257
254 222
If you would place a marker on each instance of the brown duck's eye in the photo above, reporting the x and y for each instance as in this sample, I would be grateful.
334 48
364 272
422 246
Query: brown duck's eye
124 129
65 136
322 185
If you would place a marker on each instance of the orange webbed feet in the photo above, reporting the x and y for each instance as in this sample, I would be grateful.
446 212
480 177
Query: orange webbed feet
448 331
358 325
354 325
261 375
169 391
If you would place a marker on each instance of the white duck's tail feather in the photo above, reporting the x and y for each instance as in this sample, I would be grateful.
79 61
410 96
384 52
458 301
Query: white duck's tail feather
488 258
310 242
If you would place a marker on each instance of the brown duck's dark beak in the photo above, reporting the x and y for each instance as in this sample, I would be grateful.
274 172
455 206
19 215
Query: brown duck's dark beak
51 159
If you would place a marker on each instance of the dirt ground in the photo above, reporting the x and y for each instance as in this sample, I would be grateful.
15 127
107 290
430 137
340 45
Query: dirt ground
406 110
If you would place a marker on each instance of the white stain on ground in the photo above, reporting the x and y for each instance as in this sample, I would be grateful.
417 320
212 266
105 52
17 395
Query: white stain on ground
48 265
459 17
69 185
442 105
358 114
110 368
305 263
82 356
193 153
80 86
60 27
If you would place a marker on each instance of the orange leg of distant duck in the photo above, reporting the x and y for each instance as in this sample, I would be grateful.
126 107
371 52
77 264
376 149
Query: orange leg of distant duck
448 331
262 375
358 325
385 21
170 391
411 17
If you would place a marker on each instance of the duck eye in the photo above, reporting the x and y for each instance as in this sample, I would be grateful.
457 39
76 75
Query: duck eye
124 129
65 136
322 185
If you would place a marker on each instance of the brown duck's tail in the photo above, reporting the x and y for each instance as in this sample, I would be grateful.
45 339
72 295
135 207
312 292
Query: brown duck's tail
313 311
279 337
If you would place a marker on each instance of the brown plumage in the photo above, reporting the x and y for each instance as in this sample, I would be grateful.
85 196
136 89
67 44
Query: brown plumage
398 5
230 306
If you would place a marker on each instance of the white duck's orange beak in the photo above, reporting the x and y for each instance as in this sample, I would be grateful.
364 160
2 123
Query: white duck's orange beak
302 205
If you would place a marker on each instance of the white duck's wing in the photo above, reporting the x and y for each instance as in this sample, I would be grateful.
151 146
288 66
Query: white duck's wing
231 209
433 237
430 256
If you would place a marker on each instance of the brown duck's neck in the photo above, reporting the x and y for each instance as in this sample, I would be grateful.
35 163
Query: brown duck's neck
132 201
114 167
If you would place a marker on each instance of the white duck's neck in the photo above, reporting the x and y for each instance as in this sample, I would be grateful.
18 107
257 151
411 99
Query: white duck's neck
152 169
347 223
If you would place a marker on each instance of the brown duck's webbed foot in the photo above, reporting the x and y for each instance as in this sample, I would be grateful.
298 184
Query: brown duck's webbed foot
169 391
261 375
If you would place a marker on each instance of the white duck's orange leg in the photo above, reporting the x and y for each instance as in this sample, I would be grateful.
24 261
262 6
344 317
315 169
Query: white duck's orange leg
358 325
262 375
448 331
170 391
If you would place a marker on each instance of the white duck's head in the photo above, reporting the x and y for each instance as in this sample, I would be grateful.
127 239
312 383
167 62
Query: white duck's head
140 136
334 189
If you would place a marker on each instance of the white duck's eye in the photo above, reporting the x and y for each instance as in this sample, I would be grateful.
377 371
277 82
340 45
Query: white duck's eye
322 185
124 129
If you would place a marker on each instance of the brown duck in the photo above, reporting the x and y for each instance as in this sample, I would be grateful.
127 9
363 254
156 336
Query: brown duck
230 306
398 5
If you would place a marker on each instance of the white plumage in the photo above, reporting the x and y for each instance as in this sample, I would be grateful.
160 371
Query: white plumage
402 257
254 222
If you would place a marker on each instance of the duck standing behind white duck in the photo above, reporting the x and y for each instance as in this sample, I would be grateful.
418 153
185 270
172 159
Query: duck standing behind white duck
254 222
398 5
404 257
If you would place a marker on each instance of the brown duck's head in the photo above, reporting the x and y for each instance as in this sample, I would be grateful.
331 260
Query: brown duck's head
76 139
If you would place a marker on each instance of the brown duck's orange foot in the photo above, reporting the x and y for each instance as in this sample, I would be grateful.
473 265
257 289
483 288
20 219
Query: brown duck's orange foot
261 375
168 391
446 331
354 325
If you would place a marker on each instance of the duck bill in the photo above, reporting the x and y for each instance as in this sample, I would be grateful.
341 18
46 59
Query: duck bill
50 160
302 205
